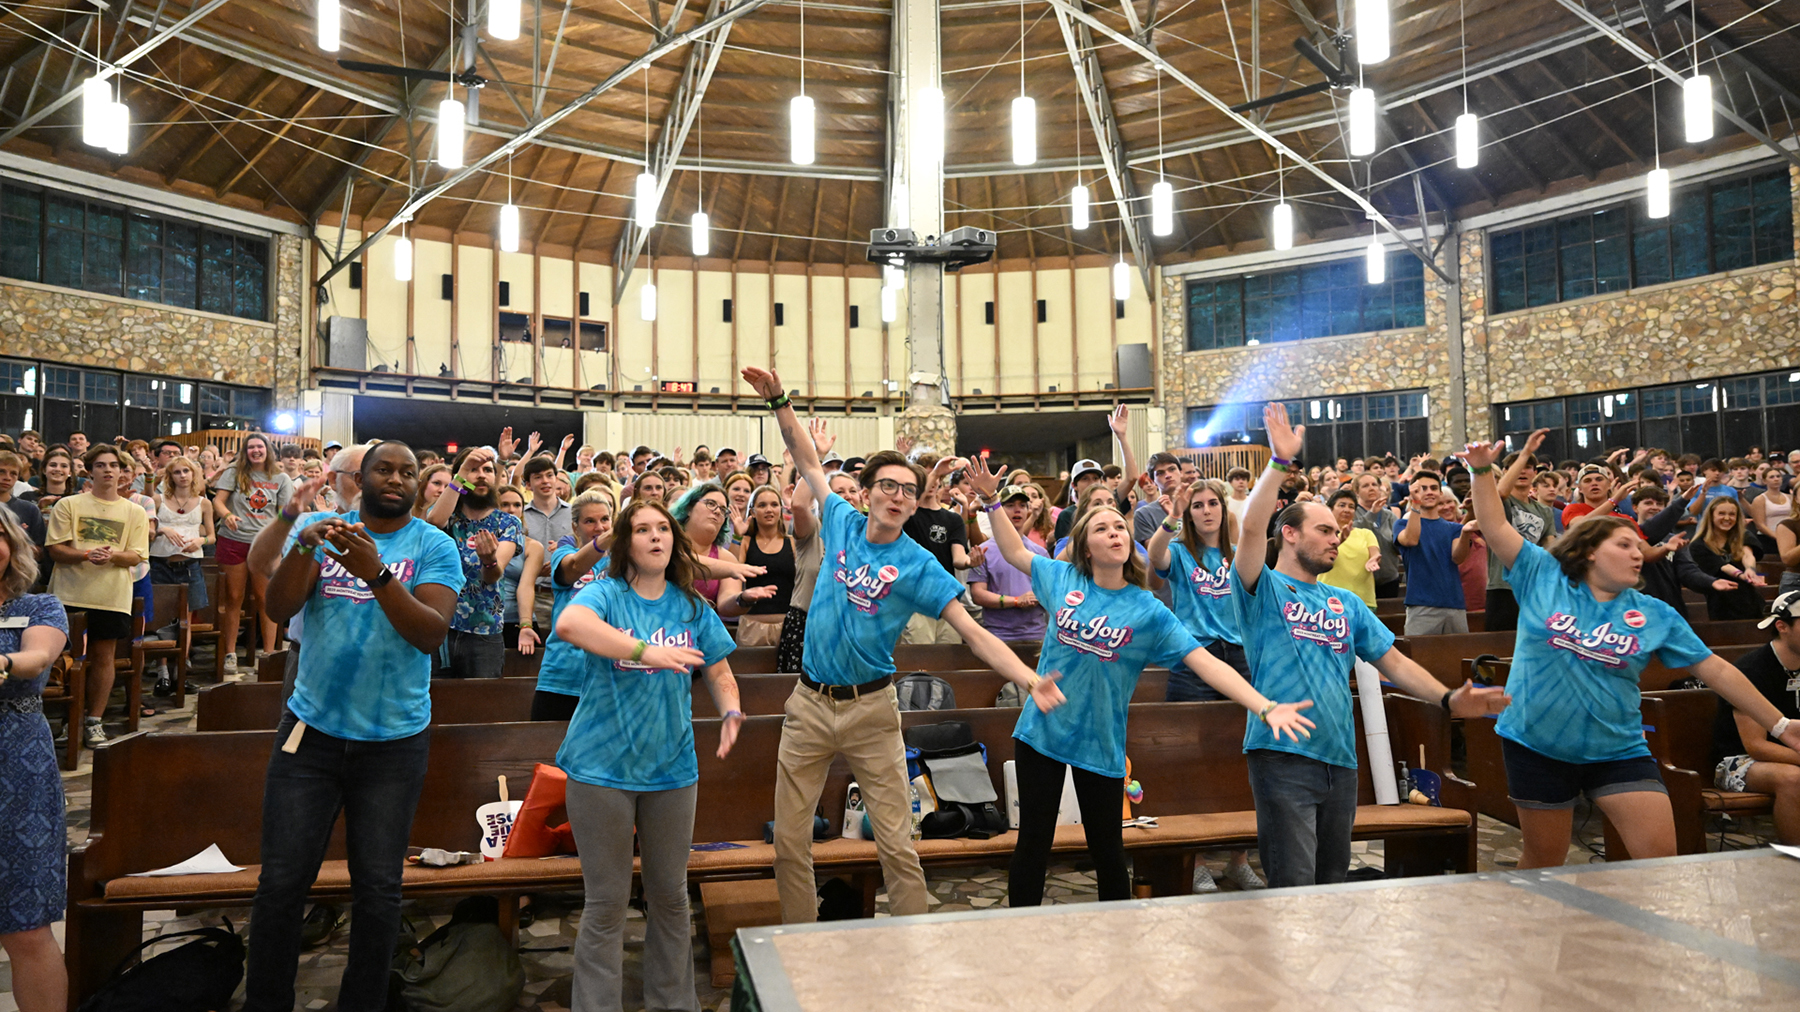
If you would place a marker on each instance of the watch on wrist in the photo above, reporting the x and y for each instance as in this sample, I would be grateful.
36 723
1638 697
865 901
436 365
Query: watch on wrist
386 577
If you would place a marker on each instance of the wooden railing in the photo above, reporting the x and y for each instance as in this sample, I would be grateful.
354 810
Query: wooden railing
1217 461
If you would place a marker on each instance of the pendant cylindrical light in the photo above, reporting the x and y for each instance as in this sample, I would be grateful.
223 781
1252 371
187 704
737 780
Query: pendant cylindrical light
450 133
503 19
890 305
1362 122
700 225
1468 141
647 302
118 128
928 123
1283 230
1078 207
1656 185
801 117
1371 31
1377 261
403 259
643 211
893 277
1121 280
96 96
509 228
1696 104
1162 208
1024 130
329 17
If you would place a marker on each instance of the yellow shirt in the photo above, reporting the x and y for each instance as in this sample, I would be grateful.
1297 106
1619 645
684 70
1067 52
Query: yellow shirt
1353 556
88 523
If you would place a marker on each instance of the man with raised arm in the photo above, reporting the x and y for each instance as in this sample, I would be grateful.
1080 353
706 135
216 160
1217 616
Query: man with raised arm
1301 639
872 581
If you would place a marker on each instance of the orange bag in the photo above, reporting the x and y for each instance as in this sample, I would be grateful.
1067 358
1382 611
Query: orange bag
533 834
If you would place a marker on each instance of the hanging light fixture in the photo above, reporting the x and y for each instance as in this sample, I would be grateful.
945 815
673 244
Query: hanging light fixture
1281 225
647 302
1468 129
96 97
928 124
643 210
1371 31
700 226
118 128
1024 110
1162 195
503 19
1079 196
1656 183
403 258
1377 259
1362 122
893 277
1121 279
330 15
702 240
801 115
509 216
890 305
1696 93
450 133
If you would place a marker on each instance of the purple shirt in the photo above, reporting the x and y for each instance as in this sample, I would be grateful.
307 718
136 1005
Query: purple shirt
1002 578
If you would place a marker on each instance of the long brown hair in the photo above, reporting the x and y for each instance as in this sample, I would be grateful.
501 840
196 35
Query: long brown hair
750 511
196 480
1190 531
22 571
1573 548
1044 524
683 566
420 506
1084 561
1707 532
241 462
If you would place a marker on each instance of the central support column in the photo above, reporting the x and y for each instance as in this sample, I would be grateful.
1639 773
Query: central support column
916 194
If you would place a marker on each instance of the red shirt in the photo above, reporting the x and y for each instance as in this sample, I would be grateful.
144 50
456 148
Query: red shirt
1577 510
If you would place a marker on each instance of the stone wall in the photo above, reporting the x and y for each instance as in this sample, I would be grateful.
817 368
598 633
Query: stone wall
79 328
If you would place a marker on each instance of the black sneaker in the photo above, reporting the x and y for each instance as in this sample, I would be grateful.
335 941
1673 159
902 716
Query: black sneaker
322 921
165 684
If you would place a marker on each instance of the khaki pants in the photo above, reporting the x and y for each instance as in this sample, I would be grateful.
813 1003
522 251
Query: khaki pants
866 731
757 632
921 629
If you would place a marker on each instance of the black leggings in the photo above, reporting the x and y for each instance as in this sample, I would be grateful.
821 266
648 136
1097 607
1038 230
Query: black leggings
552 705
1040 795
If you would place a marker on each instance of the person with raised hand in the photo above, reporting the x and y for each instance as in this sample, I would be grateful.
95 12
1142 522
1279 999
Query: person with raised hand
487 537
629 752
872 581
1585 633
1301 638
1105 629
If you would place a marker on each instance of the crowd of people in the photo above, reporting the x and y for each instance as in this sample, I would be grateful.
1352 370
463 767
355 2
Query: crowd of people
379 567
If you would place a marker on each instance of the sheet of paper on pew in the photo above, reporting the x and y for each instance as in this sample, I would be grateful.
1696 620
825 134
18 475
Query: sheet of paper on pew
1789 851
210 861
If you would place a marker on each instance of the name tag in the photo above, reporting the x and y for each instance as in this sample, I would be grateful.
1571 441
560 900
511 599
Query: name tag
16 622
1793 683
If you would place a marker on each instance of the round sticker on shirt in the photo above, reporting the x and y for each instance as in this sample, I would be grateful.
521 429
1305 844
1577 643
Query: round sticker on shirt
471 542
888 574
1073 598
1634 619
1336 606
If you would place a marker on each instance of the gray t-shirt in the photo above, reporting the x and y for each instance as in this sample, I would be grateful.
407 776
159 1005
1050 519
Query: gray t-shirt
255 509
1535 522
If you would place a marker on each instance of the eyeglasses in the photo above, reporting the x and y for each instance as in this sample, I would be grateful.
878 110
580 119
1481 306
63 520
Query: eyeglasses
889 486
714 506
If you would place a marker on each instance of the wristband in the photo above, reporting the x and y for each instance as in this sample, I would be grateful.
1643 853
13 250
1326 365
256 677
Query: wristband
1483 469
1445 701
1175 529
777 403
991 507
638 653
595 545
1778 730
289 517
1277 464
734 713
1263 714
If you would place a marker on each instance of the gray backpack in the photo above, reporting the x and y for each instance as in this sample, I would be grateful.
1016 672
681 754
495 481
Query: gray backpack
920 691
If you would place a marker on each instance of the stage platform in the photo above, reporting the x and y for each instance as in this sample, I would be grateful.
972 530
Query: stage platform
1709 931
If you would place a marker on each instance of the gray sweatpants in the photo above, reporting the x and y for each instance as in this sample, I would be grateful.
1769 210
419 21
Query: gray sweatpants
603 819
1422 620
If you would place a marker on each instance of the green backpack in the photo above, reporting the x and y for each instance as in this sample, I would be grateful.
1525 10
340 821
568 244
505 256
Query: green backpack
468 965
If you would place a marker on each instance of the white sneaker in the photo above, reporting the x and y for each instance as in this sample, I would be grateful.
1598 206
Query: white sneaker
230 664
1203 880
1244 877
93 733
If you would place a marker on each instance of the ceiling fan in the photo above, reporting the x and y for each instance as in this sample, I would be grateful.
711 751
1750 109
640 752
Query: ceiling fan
467 78
1337 75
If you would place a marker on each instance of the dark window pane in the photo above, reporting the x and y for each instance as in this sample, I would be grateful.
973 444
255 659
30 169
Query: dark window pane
1687 234
1650 252
1663 432
1700 434
1658 403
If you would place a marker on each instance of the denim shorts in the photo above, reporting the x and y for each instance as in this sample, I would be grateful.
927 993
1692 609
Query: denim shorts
1534 780
180 570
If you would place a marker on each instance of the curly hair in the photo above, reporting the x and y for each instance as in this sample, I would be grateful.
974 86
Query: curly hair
683 566
1573 549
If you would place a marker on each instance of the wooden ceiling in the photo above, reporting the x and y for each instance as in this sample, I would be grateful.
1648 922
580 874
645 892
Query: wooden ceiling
244 109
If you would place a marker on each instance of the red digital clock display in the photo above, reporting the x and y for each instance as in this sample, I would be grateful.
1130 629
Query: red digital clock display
679 387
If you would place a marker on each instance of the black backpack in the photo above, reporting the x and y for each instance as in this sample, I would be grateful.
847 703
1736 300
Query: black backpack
920 691
200 976
955 765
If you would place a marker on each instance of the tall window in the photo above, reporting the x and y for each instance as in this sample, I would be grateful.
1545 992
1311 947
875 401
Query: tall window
1711 227
59 399
73 242
1315 300
1348 427
1713 418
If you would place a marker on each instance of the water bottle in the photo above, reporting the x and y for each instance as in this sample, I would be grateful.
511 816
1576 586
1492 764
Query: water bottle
918 814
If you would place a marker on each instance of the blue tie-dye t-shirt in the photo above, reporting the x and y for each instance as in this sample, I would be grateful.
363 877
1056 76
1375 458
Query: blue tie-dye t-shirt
359 678
1100 640
865 595
633 729
1576 661
1202 592
564 665
1302 640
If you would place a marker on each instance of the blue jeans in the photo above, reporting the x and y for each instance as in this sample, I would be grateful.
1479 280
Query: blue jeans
1187 687
376 785
469 655
1305 811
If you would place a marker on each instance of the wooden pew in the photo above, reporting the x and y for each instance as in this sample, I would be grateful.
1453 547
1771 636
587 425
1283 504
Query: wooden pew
160 798
1443 656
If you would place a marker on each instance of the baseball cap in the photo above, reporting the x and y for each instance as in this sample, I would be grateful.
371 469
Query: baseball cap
832 458
852 465
756 460
1786 607
334 445
721 451
1011 492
